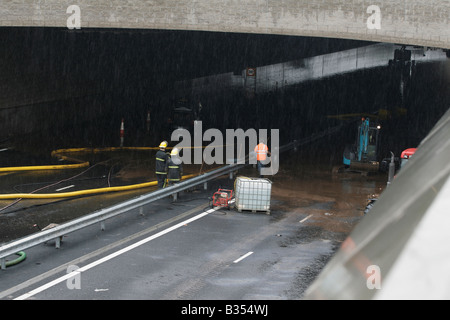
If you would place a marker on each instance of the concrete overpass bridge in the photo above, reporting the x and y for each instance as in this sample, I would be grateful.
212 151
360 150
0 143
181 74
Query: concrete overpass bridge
418 22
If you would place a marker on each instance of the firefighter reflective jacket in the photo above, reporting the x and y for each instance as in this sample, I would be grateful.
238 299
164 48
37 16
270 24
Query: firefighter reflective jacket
175 171
162 159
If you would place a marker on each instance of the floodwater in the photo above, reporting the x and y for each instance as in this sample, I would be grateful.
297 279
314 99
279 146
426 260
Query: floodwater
334 202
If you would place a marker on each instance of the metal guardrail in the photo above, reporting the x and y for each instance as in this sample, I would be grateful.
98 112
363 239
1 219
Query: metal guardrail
107 213
316 136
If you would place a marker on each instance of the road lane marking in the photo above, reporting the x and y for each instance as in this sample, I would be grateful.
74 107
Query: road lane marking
243 257
98 252
60 189
303 220
113 255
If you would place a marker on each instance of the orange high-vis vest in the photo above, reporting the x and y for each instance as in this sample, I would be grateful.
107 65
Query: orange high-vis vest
261 151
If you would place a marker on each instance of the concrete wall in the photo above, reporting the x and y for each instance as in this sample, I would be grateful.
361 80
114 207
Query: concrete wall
419 22
280 75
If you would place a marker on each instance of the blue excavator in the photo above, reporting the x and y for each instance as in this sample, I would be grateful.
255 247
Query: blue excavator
362 155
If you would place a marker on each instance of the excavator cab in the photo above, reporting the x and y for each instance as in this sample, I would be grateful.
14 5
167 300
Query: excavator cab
362 155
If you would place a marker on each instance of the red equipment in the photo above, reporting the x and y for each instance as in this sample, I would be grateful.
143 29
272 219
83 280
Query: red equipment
406 154
221 198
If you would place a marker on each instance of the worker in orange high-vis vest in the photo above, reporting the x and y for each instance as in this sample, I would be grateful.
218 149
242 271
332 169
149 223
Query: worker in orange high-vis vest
262 151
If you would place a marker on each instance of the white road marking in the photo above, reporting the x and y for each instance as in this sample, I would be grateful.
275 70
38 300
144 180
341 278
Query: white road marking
113 255
243 257
60 189
303 220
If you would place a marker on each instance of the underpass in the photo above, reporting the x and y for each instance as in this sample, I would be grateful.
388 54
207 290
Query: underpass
100 76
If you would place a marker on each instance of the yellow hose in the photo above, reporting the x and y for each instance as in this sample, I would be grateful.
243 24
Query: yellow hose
81 192
111 149
46 167
81 164
96 150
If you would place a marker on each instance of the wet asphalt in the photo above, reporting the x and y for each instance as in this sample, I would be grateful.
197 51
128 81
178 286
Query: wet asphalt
312 212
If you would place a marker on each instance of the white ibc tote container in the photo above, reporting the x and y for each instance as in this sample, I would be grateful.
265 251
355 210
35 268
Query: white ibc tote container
253 194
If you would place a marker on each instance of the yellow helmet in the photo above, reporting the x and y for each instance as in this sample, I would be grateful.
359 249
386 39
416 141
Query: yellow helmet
174 152
163 144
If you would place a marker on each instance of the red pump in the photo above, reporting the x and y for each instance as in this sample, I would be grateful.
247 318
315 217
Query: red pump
222 197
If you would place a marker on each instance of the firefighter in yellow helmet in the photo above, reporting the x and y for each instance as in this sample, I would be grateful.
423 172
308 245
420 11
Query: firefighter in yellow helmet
162 159
175 167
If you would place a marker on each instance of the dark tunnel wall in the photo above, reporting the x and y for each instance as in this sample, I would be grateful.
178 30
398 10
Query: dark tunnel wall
304 109
44 69
70 89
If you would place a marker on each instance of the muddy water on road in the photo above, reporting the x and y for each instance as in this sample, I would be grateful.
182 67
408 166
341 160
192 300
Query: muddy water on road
335 202
315 211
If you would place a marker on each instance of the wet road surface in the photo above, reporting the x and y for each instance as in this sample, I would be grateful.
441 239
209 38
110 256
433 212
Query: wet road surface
312 212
